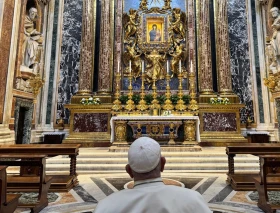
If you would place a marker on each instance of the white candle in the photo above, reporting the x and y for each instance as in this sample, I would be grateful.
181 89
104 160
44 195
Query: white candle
143 66
180 66
130 66
167 67
118 66
191 66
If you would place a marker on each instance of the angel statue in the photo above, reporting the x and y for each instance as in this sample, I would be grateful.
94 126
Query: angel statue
155 68
131 55
167 5
178 55
130 24
179 23
143 5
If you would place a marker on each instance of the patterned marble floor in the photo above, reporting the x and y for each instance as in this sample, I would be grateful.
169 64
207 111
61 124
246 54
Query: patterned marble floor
93 188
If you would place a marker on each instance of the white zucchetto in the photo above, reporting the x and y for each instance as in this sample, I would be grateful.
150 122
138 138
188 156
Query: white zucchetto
144 155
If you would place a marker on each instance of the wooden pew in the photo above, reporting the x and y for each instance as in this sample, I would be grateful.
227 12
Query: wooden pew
242 181
8 202
60 183
266 181
40 184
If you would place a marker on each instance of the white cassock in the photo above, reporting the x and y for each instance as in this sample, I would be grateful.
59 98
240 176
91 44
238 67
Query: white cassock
152 196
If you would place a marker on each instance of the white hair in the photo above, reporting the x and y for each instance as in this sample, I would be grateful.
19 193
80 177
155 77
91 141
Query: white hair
33 9
274 8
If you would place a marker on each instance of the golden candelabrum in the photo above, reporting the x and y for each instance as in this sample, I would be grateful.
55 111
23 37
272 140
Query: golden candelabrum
155 103
193 106
36 83
130 106
117 103
168 105
180 106
142 106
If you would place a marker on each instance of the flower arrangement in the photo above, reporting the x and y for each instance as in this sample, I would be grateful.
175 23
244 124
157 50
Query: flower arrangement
219 100
90 101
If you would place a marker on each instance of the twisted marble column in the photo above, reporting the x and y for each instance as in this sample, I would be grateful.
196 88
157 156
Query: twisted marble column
204 48
222 48
105 59
87 54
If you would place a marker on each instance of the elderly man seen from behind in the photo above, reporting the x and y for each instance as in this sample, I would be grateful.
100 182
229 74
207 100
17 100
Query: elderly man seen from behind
149 194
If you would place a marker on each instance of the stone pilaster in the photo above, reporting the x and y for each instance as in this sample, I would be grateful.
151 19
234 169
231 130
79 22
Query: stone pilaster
222 48
277 103
204 48
105 59
86 70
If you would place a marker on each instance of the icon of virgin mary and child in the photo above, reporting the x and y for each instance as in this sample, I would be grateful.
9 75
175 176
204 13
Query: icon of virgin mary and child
155 34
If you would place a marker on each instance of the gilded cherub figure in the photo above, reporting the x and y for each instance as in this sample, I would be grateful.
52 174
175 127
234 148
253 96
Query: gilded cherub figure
178 55
179 24
143 5
135 58
130 23
167 5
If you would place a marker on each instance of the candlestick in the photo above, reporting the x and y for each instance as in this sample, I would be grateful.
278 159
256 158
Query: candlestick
118 66
130 66
191 66
167 67
143 67
180 66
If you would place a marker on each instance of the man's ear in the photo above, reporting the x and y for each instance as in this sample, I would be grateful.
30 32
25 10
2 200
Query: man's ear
129 170
162 163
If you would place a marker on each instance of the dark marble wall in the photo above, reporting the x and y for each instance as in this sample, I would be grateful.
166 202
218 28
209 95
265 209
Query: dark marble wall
28 116
240 60
70 54
219 122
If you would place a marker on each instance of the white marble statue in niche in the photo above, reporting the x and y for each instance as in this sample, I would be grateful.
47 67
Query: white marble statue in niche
275 40
32 46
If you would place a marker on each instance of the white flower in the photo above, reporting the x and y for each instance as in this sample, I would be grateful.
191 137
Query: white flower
90 99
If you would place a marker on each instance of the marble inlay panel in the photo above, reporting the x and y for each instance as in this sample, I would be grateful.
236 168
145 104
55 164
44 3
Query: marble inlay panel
90 122
219 122
257 62
52 64
5 44
70 54
240 60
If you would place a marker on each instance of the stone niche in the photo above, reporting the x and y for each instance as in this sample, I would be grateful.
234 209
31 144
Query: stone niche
23 120
30 50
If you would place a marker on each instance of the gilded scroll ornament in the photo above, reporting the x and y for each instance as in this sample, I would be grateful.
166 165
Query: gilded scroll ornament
120 131
167 5
189 129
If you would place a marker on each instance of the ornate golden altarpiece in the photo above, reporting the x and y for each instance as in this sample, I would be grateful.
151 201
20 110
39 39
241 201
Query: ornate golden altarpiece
156 45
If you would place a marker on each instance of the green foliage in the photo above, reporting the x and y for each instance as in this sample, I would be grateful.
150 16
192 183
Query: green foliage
161 99
148 98
186 99
136 98
123 99
174 99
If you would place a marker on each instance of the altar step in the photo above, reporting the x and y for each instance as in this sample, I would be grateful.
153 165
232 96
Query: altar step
99 160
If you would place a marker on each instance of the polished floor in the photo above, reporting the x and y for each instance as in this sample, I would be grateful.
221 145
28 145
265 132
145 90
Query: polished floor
93 188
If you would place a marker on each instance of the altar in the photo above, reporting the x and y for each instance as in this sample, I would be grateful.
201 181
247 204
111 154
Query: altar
161 128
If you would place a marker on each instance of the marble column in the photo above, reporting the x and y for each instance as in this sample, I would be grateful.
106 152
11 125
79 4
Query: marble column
222 47
105 59
204 48
86 70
